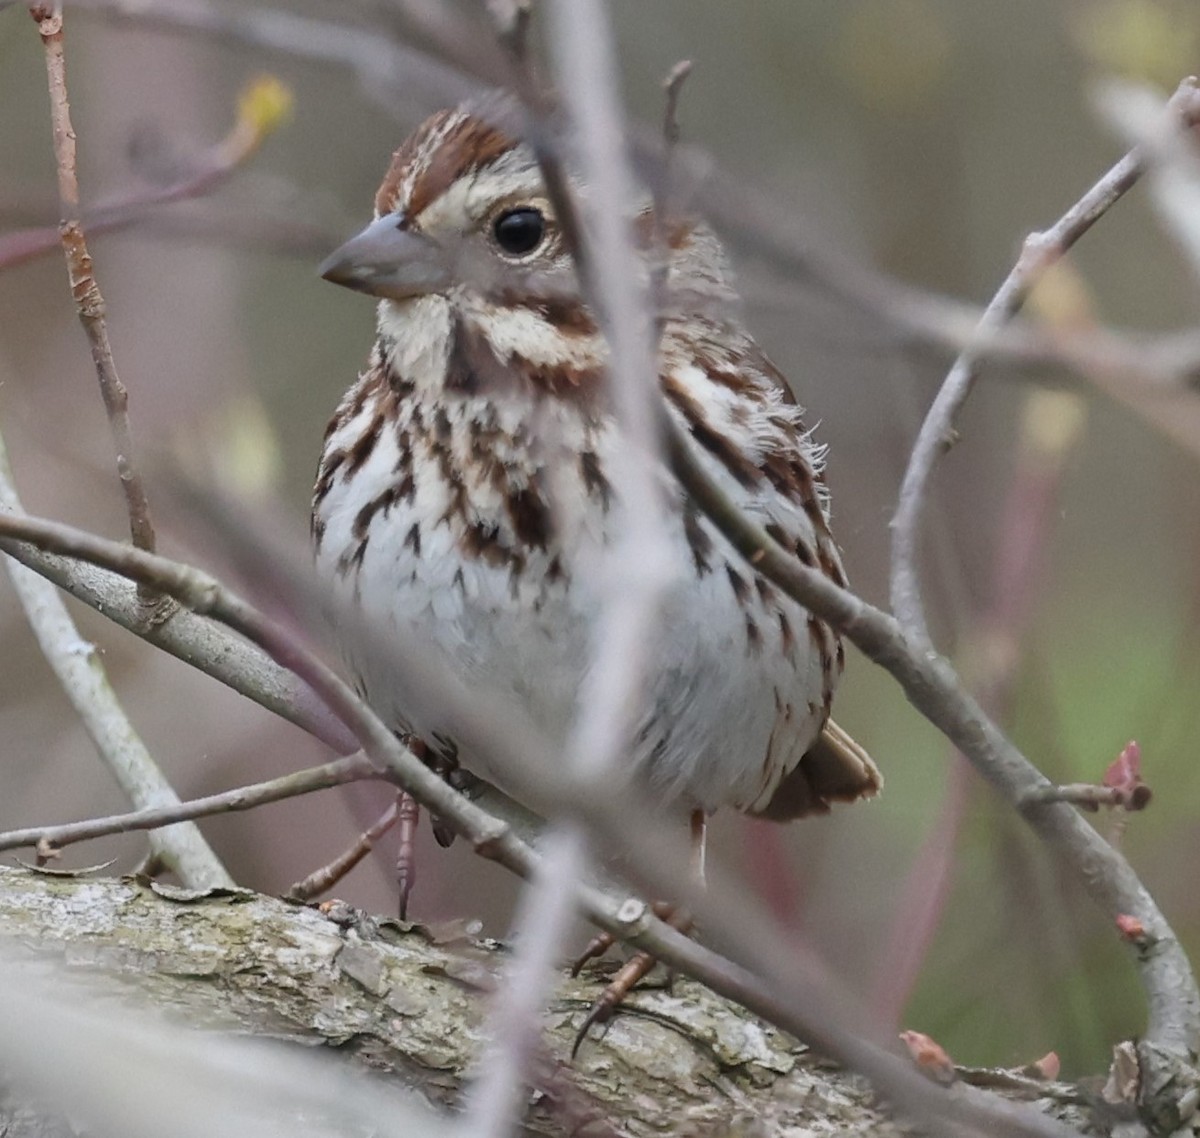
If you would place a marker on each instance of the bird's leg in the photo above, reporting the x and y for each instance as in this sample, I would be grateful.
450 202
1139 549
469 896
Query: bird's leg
602 942
444 762
408 812
639 965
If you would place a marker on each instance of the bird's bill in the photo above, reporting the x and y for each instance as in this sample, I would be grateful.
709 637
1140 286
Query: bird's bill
387 260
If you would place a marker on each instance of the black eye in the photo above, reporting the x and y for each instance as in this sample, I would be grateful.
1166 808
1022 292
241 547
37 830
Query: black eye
519 231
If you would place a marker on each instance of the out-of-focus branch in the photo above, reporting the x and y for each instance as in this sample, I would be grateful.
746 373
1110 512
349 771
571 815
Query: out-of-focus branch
937 433
396 76
261 108
336 773
89 303
1170 152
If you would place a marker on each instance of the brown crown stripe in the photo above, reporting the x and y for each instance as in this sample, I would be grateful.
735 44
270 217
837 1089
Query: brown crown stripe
470 145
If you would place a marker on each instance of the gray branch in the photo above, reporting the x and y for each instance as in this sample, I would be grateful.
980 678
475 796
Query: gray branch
408 1002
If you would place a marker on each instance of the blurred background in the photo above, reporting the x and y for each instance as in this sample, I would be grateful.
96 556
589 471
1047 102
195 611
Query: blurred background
923 137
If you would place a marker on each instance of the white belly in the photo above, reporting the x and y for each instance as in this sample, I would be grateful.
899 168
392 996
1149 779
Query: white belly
735 677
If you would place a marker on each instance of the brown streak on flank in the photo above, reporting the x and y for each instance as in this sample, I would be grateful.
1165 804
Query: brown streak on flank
558 379
362 447
766 591
822 639
754 641
482 542
698 541
787 638
384 501
530 517
412 539
831 568
739 382
741 589
718 445
593 478
328 472
369 385
470 146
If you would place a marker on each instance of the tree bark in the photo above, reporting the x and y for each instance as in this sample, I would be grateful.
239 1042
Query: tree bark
408 1000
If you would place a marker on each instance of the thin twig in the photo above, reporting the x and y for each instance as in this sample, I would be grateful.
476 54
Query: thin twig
1090 796
1052 425
349 769
938 432
260 109
323 879
89 303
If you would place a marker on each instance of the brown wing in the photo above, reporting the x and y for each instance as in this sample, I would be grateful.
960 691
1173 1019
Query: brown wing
834 769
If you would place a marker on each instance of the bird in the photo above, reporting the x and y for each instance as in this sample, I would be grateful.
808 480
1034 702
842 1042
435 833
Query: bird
466 483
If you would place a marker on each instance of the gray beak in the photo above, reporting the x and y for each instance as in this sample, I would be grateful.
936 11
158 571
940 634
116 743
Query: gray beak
389 261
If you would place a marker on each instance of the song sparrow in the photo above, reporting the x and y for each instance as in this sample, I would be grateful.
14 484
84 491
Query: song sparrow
466 479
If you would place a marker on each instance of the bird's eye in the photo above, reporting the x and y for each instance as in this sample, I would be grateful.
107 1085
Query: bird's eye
519 231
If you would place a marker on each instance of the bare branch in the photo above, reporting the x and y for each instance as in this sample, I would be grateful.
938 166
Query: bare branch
323 879
260 109
89 303
1051 426
938 432
336 773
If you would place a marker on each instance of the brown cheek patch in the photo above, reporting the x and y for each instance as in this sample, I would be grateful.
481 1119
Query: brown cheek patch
678 231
